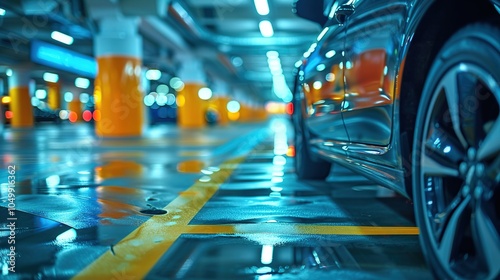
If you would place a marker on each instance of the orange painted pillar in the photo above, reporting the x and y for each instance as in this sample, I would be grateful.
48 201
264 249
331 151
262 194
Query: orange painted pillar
54 95
245 114
233 110
20 104
118 92
221 103
262 114
2 115
191 109
75 109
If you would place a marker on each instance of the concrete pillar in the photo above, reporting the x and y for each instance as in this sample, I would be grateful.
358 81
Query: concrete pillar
118 92
191 108
20 104
54 95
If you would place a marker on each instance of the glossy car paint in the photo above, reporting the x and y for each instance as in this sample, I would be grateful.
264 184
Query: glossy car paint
323 84
369 50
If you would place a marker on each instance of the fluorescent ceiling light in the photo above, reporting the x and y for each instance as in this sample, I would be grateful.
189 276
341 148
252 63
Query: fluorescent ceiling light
266 256
262 7
162 89
266 28
50 77
272 54
68 96
40 93
84 97
176 83
153 74
233 106
2 12
82 83
205 93
322 34
330 54
61 37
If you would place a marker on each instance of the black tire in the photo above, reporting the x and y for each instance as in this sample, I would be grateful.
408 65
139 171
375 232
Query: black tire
456 183
306 167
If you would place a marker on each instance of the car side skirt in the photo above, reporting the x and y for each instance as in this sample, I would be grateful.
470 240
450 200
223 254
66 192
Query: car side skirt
386 176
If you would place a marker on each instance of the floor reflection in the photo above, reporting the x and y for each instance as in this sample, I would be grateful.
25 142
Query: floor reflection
233 257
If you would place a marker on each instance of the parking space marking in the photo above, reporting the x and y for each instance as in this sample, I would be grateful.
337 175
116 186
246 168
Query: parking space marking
292 229
137 253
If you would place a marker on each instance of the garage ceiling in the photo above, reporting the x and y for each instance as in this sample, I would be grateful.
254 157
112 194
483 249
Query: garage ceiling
225 33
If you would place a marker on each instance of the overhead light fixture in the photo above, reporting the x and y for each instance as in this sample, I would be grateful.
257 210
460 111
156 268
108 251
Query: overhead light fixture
84 97
205 93
41 93
61 37
153 74
50 77
233 106
237 61
82 83
149 100
272 54
176 83
68 96
266 28
267 254
262 7
8 72
330 54
2 12
6 99
162 88
322 34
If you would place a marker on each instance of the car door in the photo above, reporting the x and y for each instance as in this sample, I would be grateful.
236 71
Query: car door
323 83
373 37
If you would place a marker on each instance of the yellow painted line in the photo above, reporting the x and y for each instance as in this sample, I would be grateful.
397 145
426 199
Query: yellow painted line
292 229
137 253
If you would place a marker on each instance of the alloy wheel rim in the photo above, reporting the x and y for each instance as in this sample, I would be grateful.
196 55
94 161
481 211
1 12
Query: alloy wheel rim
459 167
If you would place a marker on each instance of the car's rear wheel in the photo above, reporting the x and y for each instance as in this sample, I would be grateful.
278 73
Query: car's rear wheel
456 162
306 167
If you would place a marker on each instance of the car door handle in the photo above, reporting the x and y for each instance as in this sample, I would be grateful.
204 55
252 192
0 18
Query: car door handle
343 12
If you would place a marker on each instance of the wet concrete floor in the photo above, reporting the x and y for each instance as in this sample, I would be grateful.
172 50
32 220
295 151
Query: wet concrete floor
213 203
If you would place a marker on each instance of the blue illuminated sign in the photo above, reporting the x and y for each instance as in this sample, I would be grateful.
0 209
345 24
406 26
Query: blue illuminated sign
63 59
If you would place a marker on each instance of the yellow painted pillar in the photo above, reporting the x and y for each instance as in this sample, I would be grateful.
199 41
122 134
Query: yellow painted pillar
118 92
2 114
220 100
75 109
54 95
191 108
262 113
245 114
221 103
20 104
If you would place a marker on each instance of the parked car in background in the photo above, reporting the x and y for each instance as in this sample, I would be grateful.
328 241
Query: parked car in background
407 93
